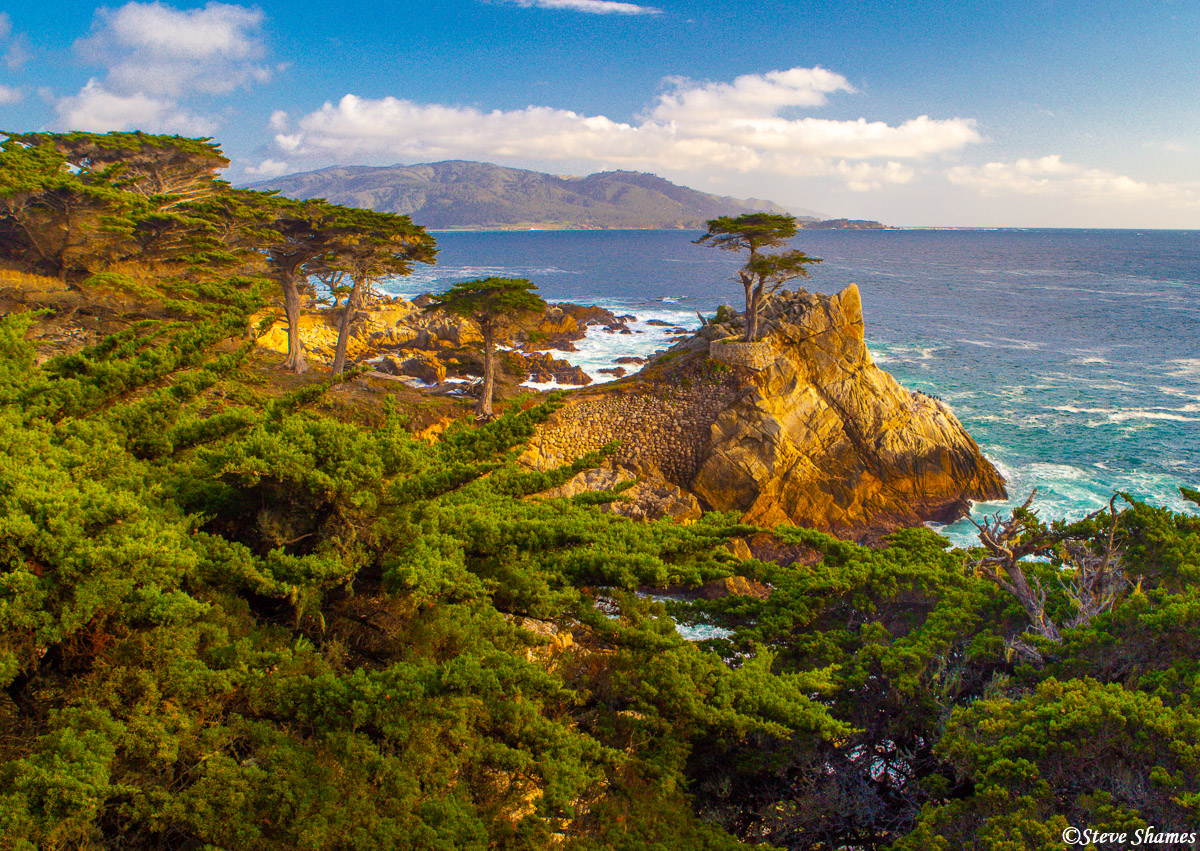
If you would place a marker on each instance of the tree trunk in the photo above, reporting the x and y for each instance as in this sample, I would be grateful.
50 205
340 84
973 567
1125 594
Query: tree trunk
484 408
291 308
1034 603
751 312
339 357
754 308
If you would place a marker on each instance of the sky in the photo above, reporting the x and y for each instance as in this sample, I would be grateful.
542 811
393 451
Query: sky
1041 113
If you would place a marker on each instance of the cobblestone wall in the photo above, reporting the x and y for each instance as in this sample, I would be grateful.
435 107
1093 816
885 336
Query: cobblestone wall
666 427
735 352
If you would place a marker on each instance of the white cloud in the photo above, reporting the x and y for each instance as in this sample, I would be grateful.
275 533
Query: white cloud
155 57
748 96
98 110
1171 146
18 52
279 120
152 48
9 95
734 126
594 7
268 168
864 177
1052 176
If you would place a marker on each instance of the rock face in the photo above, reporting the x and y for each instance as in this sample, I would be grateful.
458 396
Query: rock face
800 427
822 437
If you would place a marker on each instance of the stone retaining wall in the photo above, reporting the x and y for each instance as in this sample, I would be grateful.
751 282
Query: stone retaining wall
665 427
735 352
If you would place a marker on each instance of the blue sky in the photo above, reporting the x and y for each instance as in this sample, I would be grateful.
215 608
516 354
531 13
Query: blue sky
1038 113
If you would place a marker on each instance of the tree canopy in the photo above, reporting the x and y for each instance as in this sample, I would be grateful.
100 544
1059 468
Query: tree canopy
762 273
496 305
167 170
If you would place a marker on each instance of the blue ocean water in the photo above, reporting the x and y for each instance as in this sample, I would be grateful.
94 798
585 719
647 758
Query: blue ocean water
1072 356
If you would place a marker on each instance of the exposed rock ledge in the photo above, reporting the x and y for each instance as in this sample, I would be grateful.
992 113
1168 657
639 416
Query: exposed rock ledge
807 429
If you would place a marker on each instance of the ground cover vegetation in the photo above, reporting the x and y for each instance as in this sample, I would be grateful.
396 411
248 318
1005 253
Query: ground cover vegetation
232 619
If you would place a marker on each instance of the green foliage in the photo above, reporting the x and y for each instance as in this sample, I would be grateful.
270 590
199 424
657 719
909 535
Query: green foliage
247 625
229 621
496 305
762 273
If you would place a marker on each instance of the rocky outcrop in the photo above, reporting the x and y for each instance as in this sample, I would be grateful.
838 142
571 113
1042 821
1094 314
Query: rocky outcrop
825 438
404 340
800 427
645 497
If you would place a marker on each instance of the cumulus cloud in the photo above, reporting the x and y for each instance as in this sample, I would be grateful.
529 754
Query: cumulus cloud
592 7
736 126
158 50
1051 175
268 168
156 56
9 95
748 96
98 110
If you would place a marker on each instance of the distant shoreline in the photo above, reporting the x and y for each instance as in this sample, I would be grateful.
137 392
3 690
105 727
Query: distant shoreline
1007 228
816 225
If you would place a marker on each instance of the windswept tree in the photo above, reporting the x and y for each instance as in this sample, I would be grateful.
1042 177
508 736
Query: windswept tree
297 241
169 171
763 273
61 220
74 202
496 305
368 245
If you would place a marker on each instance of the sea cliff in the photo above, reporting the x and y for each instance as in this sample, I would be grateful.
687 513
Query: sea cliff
799 427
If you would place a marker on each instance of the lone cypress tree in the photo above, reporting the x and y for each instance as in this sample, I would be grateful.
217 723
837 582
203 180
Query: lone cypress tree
763 274
497 305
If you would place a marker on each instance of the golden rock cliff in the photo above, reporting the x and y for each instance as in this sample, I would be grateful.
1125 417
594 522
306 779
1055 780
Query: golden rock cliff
823 437
800 427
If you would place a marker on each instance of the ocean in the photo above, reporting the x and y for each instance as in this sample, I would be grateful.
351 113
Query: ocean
1071 356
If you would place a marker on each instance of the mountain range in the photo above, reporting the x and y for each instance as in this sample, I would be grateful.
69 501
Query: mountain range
459 194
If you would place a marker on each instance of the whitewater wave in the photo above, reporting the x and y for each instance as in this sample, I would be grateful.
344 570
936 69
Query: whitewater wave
599 349
1008 343
1121 415
1186 368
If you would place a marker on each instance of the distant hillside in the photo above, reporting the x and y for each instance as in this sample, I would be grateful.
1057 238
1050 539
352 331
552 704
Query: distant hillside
461 194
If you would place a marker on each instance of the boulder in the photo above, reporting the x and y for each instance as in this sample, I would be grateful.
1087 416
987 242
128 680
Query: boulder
543 368
422 366
557 329
650 497
733 586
